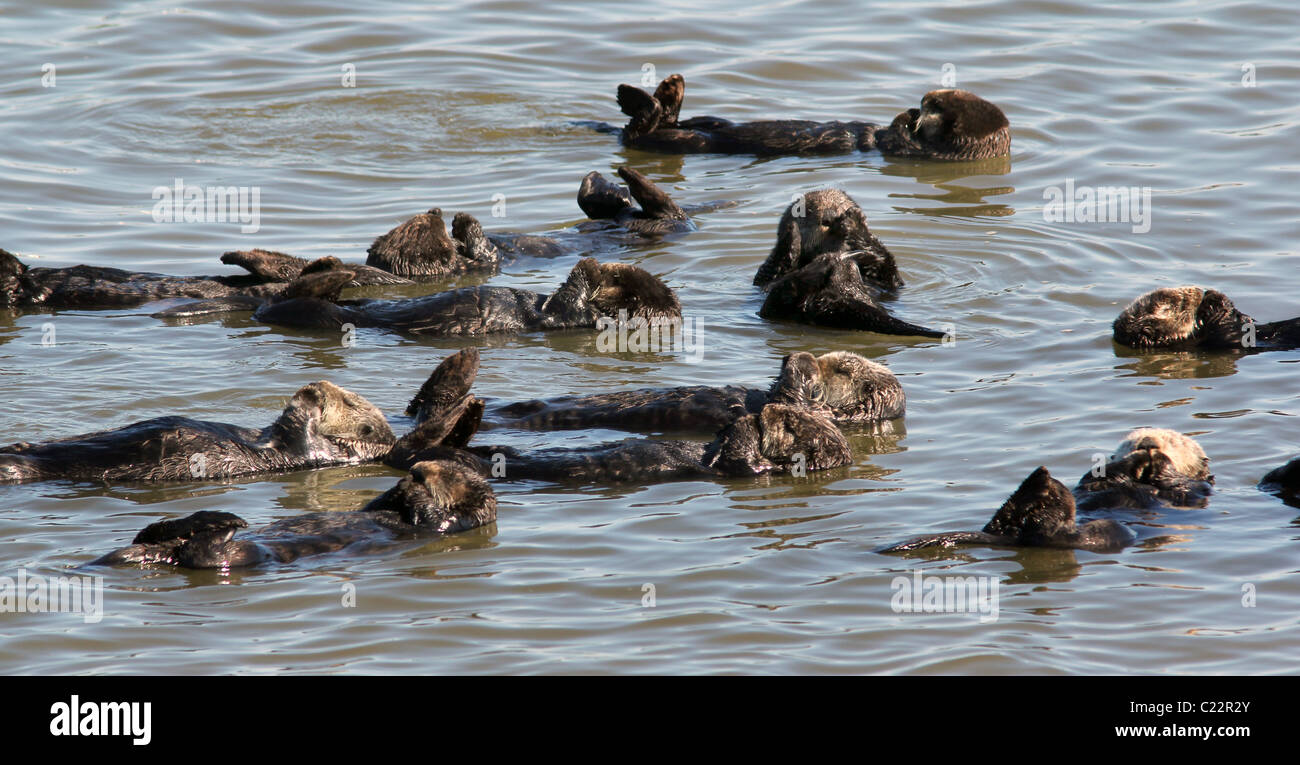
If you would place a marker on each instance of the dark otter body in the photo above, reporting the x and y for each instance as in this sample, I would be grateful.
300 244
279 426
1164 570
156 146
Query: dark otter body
1152 469
592 292
90 287
436 498
1041 513
843 386
1185 318
777 439
322 425
951 124
829 292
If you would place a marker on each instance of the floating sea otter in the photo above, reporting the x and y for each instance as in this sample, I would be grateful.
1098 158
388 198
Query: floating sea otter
435 498
827 269
593 291
1284 482
323 425
777 439
1039 514
1153 468
841 385
90 287
421 249
950 125
1181 318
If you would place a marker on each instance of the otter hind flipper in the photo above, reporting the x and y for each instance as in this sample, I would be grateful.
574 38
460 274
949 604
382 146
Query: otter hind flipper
670 94
643 109
654 201
602 199
268 265
449 382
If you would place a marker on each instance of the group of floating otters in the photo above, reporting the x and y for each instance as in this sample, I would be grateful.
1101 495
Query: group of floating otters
826 269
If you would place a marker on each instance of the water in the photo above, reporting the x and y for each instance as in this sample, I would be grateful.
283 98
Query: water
456 104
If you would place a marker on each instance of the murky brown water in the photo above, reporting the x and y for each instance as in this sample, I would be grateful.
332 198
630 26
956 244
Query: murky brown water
455 104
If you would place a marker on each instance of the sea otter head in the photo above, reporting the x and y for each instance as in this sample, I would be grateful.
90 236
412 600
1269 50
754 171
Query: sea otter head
1041 509
325 421
778 438
614 287
841 384
440 495
421 247
827 221
951 124
12 289
1151 462
1181 317
958 116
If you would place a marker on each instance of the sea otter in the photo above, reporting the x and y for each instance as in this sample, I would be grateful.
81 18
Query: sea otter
1184 318
322 425
593 291
777 439
421 249
1039 514
91 287
827 269
950 125
435 498
1153 469
841 385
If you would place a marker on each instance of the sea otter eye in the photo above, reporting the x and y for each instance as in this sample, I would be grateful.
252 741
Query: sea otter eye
367 430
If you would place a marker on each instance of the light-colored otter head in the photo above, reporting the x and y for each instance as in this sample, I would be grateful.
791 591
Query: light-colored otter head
842 384
330 422
1181 317
1181 453
440 495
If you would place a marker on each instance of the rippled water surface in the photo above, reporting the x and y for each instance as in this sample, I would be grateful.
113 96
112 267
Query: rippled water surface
457 103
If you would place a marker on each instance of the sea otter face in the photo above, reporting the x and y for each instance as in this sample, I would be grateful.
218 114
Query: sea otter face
1151 467
440 495
332 423
1181 317
831 222
1168 454
418 247
841 384
957 115
12 291
778 438
621 287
